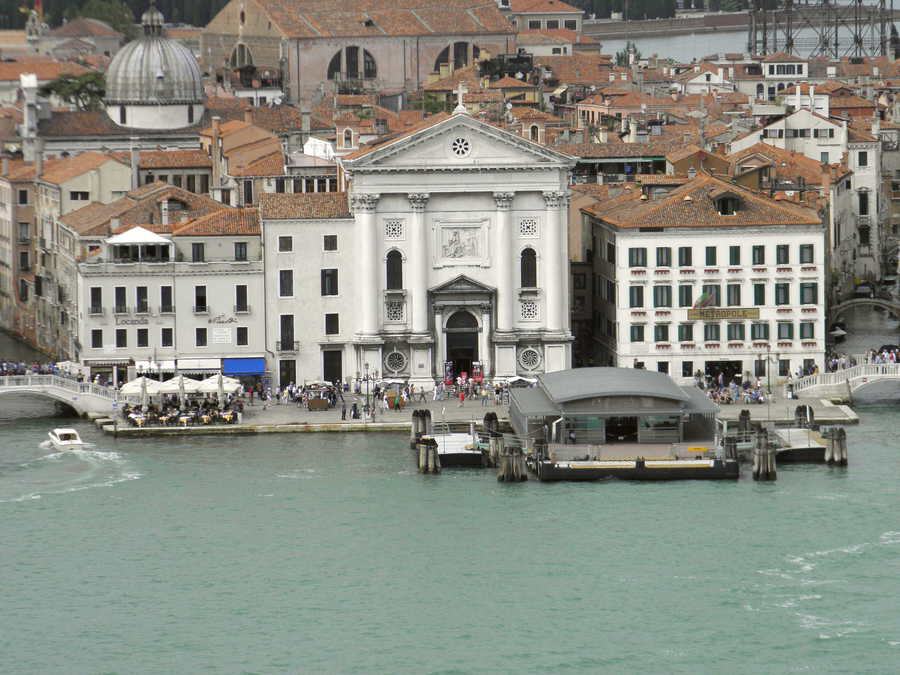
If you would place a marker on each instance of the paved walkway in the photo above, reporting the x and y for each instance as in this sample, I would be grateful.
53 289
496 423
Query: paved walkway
781 411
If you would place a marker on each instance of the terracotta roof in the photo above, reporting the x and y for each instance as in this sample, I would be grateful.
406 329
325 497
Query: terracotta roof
270 165
783 57
510 83
85 27
839 102
44 69
553 36
691 205
20 170
468 75
282 119
174 159
68 168
541 7
660 179
575 69
385 140
683 153
304 206
226 222
376 18
183 33
788 165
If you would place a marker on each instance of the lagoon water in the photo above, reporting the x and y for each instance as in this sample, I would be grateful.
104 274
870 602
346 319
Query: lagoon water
329 553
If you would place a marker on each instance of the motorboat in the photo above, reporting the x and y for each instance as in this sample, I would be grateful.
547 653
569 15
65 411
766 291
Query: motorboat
65 439
458 449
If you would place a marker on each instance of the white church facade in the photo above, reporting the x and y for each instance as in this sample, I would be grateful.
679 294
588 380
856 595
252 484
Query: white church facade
448 256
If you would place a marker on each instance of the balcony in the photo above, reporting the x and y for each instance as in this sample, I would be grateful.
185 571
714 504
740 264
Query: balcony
42 242
242 309
96 311
120 309
201 309
287 346
167 309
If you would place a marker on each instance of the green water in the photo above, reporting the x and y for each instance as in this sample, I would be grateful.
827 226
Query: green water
328 553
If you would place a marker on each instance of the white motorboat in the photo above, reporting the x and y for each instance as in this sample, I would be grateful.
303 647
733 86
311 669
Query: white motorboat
65 439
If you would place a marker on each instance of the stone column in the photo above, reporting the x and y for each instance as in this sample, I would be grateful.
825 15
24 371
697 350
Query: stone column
439 342
364 206
420 256
555 305
484 341
503 252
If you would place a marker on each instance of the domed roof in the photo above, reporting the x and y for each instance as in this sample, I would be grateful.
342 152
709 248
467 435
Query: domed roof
153 70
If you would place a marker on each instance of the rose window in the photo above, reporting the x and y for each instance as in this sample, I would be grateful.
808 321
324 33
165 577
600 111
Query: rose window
395 361
460 147
529 358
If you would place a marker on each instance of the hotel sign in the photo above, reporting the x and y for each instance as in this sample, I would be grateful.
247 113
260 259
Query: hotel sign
722 314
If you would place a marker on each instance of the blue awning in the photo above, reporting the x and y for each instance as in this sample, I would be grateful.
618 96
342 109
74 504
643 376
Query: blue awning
249 366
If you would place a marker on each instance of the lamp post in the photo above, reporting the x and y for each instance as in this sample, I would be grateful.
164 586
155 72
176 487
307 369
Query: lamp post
366 370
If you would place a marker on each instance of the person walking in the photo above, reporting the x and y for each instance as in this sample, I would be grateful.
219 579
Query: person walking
343 410
462 397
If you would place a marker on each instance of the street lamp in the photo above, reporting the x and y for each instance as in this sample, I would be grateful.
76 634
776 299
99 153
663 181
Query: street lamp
366 409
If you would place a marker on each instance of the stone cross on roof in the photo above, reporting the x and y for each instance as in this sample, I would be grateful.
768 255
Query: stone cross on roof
460 90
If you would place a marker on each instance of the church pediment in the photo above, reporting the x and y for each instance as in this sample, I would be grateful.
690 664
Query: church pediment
462 285
458 142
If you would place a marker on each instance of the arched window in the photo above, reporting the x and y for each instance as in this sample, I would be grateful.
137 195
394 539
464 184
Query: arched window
241 56
334 67
348 138
529 268
462 320
457 54
354 67
394 270
535 132
760 91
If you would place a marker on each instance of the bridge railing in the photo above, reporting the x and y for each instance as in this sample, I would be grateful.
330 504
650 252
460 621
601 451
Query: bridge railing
841 376
60 383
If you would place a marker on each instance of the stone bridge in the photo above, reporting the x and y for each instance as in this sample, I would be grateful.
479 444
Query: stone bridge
846 383
890 306
83 397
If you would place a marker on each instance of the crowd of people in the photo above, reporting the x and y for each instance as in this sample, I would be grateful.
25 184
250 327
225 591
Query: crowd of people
737 390
169 410
35 368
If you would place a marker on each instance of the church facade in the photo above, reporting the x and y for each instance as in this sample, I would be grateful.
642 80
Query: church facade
455 259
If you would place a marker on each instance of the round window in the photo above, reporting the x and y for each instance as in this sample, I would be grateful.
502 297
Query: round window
460 147
395 361
529 358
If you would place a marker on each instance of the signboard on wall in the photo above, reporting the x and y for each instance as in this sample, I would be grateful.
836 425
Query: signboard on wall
221 336
723 313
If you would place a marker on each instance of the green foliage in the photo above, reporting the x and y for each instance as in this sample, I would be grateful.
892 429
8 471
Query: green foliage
197 12
83 91
114 12
433 104
622 56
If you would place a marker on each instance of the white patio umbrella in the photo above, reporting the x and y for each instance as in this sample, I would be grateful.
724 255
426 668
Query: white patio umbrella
136 386
211 385
837 332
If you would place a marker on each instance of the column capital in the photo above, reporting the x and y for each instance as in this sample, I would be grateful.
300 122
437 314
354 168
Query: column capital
554 199
503 199
364 202
417 201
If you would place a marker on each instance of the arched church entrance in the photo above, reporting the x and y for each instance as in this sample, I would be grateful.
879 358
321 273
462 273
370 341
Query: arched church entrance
462 341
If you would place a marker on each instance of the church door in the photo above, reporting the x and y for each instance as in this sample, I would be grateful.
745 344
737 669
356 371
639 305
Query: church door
462 341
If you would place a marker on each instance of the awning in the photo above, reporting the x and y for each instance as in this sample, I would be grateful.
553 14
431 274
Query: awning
243 366
137 236
559 90
93 363
198 365
154 366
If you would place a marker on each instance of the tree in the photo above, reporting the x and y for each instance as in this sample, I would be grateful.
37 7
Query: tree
622 56
85 92
117 14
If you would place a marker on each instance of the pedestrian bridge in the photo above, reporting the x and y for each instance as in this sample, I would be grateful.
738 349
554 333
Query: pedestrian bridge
83 397
890 306
848 381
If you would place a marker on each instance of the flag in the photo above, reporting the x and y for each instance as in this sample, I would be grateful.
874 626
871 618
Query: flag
705 300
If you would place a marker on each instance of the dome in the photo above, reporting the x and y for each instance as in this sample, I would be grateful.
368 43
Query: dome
153 70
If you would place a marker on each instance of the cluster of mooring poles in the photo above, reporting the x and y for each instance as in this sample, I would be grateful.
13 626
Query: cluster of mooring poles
763 457
835 446
421 426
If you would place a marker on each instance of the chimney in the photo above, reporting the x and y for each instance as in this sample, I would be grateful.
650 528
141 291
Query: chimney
5 165
114 224
248 116
135 164
38 161
797 95
214 152
164 211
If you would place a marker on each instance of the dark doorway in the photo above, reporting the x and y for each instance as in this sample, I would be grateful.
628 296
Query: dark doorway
287 372
462 341
621 430
331 365
731 371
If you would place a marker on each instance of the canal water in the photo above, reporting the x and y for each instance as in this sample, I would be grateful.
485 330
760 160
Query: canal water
329 553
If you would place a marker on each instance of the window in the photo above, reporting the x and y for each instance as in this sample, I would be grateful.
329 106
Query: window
394 271
143 337
784 367
191 179
197 252
200 337
663 256
122 116
759 255
240 298
733 292
759 330
285 283
823 158
97 338
571 24
286 332
79 196
809 293
736 332
806 254
96 300
662 367
240 250
248 192
662 296
24 229
711 256
285 244
759 294
23 197
610 292
807 330
200 299
759 368
242 336
552 24
120 305
637 257
687 368
332 324
329 242
121 338
279 185
734 255
534 25
637 333
636 296
782 294
661 332
712 332
329 280
685 294
785 330
782 255
686 332
713 293
610 252
862 158
685 256
165 300
142 305
165 337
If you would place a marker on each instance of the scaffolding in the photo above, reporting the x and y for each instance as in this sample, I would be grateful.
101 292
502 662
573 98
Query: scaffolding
853 28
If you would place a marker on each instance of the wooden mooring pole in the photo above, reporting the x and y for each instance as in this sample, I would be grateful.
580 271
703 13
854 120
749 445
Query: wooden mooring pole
511 468
763 457
836 446
429 459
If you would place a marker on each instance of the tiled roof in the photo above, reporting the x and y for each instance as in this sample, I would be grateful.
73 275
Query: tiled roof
65 169
692 205
376 18
839 102
683 153
788 165
44 69
174 159
577 69
270 165
783 57
541 7
222 223
467 75
304 206
85 27
385 140
510 83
